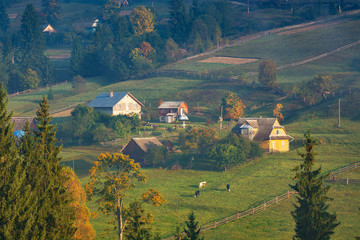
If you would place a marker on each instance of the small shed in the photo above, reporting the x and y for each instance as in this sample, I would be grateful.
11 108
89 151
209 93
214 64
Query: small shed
138 147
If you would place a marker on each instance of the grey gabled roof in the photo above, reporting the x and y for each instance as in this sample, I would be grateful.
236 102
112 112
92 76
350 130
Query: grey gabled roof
19 122
104 100
170 104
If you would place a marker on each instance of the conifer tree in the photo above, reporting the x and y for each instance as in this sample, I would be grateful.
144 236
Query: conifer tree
313 221
77 57
4 17
55 215
179 20
192 229
17 203
51 10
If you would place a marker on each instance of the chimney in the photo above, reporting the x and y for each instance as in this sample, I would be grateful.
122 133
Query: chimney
111 94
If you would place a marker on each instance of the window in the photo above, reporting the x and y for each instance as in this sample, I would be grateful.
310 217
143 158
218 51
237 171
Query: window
277 131
127 107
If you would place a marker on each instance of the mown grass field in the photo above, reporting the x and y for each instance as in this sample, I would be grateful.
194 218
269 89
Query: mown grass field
285 49
250 185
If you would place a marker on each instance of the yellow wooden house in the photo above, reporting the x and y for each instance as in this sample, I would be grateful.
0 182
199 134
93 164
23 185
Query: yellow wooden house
267 131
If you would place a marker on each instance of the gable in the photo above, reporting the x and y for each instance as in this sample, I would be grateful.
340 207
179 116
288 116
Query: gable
104 100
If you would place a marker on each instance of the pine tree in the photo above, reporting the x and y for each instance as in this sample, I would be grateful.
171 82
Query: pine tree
193 230
4 17
17 202
313 221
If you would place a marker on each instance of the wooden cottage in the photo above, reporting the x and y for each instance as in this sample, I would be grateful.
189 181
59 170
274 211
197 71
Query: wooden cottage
169 111
19 123
138 147
116 103
267 131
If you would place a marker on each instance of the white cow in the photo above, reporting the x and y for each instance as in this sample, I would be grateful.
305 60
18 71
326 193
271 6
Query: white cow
202 184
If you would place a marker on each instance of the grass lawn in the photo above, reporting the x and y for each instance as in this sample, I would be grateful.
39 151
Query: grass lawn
250 184
277 223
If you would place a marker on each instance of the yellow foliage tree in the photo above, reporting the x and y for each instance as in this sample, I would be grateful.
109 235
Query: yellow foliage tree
84 231
234 107
277 112
111 7
110 178
154 197
143 20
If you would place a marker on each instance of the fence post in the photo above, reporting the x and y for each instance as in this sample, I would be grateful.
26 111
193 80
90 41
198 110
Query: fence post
347 180
253 212
238 216
226 220
215 224
288 194
277 200
264 205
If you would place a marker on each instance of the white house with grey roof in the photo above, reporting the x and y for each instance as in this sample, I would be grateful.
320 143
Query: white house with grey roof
116 103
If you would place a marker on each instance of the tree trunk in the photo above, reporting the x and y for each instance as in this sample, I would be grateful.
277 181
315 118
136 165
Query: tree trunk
120 218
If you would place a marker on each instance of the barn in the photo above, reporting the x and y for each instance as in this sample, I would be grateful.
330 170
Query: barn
138 147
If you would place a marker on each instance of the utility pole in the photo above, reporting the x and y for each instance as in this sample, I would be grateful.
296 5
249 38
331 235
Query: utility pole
221 118
339 114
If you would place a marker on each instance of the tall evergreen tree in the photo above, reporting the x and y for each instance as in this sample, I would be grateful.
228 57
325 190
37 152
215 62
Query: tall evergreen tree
52 10
32 45
179 20
17 203
55 215
4 17
313 221
77 57
192 229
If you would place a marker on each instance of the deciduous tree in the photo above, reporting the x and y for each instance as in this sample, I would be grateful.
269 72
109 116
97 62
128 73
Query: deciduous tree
143 20
111 8
268 73
51 10
312 218
234 107
119 173
277 112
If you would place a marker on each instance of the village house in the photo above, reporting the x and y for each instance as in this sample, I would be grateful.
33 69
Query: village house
19 125
267 131
48 29
116 103
169 111
137 148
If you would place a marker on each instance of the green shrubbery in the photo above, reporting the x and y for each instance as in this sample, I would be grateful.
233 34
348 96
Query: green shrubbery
86 126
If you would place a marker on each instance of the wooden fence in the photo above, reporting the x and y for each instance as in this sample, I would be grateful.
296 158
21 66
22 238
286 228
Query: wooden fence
268 203
32 90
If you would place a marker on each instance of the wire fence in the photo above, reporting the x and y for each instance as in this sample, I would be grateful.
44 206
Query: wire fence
266 204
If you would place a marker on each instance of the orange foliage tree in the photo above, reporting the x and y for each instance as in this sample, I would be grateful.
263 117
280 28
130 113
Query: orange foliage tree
234 107
110 178
84 231
277 112
143 20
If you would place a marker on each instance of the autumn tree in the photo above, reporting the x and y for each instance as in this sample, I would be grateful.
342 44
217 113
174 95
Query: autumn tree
277 112
111 7
84 229
192 229
31 80
51 10
172 51
312 218
321 84
233 106
141 58
119 173
143 20
268 73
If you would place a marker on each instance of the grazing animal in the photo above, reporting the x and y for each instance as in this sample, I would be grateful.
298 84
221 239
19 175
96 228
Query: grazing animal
228 187
202 184
197 193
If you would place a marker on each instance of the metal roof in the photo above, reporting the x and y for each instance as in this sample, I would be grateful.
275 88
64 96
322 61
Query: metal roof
104 100
171 104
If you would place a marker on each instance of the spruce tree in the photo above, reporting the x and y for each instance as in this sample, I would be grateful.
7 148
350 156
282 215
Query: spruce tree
77 57
17 202
179 20
55 215
4 17
192 229
313 221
